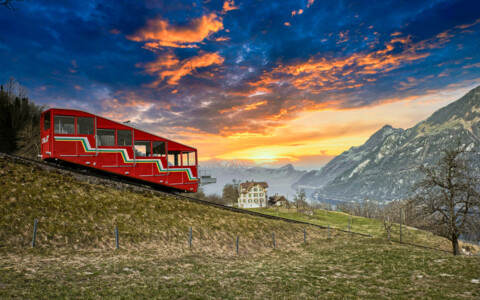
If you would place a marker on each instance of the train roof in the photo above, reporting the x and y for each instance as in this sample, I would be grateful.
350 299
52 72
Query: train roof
123 124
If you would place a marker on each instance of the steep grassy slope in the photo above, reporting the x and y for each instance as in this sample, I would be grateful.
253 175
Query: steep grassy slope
75 257
80 215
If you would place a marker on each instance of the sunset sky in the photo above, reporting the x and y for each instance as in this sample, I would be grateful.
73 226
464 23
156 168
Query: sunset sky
274 82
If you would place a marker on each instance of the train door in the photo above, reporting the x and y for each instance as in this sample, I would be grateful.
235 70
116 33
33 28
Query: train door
160 167
125 154
86 142
143 159
107 157
189 161
175 175
45 133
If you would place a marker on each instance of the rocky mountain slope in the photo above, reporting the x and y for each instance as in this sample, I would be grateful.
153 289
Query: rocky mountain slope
280 180
386 166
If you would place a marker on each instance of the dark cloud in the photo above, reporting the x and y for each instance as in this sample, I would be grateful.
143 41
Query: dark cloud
197 65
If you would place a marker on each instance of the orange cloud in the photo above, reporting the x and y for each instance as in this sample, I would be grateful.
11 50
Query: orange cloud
255 105
115 31
168 66
310 2
222 39
320 74
160 33
228 5
287 24
468 25
477 65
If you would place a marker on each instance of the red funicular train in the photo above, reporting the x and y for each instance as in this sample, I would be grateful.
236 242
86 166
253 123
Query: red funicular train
85 139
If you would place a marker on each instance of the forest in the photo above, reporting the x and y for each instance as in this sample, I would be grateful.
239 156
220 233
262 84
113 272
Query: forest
19 121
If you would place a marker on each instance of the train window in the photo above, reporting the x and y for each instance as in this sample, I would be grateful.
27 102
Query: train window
158 149
174 158
188 158
64 125
46 121
84 125
124 137
142 149
106 137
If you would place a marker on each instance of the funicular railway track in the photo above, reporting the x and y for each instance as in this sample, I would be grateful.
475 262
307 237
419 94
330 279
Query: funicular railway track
93 176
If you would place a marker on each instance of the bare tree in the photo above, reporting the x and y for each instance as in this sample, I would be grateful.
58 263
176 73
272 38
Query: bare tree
390 214
448 196
300 200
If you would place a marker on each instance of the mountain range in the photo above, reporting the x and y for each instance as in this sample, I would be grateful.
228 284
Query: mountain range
386 167
279 180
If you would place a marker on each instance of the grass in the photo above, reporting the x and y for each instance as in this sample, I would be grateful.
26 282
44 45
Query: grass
372 227
75 257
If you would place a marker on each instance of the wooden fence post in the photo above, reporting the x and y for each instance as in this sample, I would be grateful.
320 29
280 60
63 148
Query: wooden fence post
400 225
238 237
190 238
304 235
328 231
34 232
116 238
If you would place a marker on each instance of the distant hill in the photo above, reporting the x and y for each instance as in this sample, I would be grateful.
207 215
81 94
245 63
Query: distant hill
279 180
386 166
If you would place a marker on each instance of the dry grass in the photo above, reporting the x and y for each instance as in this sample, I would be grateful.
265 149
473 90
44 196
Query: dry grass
372 227
82 216
75 256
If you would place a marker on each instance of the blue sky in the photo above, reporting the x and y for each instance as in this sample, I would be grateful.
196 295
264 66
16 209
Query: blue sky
211 72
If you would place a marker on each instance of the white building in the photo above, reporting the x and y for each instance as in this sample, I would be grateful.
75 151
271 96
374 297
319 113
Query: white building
253 194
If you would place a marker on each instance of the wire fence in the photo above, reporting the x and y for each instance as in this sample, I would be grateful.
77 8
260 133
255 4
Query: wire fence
128 237
402 238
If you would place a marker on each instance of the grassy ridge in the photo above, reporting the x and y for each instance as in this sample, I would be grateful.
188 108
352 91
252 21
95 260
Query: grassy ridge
75 257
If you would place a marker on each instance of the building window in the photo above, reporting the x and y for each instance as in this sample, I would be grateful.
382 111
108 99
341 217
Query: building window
124 137
106 137
159 149
64 125
142 148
